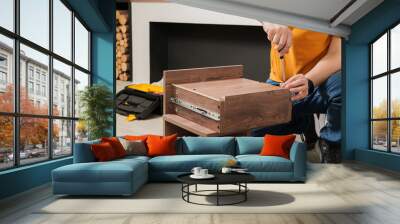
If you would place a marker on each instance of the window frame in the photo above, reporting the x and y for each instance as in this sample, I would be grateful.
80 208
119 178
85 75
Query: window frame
388 74
16 114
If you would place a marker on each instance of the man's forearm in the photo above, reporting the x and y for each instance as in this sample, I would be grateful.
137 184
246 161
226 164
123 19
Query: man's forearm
328 65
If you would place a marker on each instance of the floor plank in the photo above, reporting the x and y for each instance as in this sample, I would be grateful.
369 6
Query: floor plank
378 190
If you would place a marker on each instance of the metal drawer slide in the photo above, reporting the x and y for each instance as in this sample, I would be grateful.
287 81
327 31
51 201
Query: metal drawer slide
212 115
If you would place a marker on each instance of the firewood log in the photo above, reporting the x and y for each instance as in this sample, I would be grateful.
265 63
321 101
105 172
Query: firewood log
123 19
124 58
124 66
119 36
123 29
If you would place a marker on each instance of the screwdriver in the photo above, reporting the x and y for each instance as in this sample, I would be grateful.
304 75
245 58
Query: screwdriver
283 73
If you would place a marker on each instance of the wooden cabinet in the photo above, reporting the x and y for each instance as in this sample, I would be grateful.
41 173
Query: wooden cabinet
217 101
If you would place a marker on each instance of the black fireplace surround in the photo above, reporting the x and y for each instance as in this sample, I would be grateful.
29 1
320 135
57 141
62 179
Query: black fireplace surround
182 45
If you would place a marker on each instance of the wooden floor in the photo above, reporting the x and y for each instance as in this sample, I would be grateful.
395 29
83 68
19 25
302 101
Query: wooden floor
379 189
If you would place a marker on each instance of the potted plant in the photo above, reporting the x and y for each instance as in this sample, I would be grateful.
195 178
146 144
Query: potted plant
96 103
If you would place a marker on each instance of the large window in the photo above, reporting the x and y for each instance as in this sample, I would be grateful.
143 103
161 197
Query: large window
34 21
385 91
44 64
7 14
81 45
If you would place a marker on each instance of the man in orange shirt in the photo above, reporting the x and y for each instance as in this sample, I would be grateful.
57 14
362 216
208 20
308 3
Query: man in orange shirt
311 62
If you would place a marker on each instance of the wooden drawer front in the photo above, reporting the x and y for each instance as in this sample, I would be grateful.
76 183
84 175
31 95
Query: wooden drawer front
253 110
197 118
197 100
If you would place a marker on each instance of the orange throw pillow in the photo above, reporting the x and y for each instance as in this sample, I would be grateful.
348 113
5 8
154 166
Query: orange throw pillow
116 145
103 152
136 137
161 145
277 145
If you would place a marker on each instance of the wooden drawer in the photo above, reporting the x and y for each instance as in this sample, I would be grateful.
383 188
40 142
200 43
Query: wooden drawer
221 100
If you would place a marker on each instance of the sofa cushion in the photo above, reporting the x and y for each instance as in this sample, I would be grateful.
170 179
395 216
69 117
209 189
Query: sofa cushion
207 145
133 158
277 145
103 152
134 147
249 145
136 137
83 152
257 163
161 145
116 145
112 171
185 163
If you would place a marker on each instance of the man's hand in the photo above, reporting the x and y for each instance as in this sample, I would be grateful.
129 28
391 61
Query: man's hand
279 36
298 85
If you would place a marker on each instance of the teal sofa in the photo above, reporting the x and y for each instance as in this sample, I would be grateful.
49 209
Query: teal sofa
125 176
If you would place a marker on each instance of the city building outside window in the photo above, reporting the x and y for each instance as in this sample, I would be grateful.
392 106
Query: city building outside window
30 72
3 78
57 127
3 60
55 101
3 72
44 77
43 90
38 89
385 94
30 87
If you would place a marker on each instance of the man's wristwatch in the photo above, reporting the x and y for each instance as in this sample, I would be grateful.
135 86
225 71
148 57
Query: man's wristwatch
310 86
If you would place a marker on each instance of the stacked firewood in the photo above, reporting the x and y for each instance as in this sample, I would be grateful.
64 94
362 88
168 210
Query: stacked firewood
122 46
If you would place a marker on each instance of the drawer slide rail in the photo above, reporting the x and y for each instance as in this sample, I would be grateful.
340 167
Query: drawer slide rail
209 114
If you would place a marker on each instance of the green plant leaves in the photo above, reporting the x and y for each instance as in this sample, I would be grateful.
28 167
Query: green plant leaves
97 103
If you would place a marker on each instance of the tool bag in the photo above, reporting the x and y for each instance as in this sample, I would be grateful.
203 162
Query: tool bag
141 104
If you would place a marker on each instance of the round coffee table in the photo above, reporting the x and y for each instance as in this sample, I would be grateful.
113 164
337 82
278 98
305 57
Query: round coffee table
238 179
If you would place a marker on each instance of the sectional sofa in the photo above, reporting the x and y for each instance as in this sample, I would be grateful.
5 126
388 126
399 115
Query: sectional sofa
125 176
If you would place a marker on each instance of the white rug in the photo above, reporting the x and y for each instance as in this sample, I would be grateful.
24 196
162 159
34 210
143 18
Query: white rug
166 198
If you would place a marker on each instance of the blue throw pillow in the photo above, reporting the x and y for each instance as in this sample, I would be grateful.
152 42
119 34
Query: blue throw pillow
208 145
249 145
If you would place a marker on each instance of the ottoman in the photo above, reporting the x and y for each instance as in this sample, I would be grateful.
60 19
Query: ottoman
119 177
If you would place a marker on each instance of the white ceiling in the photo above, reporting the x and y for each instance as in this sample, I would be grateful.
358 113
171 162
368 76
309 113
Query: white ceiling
320 9
329 16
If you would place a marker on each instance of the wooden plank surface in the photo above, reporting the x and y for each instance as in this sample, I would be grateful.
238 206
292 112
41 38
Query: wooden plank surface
170 128
187 125
219 89
376 190
198 100
196 75
253 110
203 74
197 118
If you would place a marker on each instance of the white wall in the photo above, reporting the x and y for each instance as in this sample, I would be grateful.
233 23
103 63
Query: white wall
144 13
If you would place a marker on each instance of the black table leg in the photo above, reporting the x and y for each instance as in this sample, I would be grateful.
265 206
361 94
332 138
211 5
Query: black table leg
217 194
182 190
188 190
245 193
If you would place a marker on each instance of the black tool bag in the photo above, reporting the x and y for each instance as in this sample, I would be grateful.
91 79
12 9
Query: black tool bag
142 104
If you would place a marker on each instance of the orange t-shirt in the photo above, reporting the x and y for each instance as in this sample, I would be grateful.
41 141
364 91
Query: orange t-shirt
308 47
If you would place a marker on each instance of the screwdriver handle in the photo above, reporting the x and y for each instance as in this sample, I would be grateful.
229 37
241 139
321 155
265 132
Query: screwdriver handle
283 72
